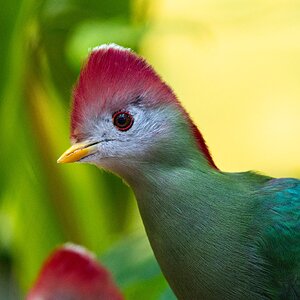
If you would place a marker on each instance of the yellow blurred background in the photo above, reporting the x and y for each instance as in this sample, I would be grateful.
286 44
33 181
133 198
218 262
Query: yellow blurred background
235 66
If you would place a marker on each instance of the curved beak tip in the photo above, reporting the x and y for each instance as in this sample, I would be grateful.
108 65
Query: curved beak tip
62 159
75 153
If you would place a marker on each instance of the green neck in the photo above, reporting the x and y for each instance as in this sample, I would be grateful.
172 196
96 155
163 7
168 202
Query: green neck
165 188
190 211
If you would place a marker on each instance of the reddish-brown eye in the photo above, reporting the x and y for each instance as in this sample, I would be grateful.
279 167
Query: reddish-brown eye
122 120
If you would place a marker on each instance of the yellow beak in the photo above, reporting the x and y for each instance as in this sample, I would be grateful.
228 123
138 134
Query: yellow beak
77 152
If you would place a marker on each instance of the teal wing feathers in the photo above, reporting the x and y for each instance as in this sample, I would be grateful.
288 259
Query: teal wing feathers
279 242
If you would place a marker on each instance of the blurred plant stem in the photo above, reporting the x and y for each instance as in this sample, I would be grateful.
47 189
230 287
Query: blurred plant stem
37 98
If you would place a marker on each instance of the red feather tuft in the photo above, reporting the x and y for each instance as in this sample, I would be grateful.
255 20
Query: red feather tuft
73 273
114 77
201 144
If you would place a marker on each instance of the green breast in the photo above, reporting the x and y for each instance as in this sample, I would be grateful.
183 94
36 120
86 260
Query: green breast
199 227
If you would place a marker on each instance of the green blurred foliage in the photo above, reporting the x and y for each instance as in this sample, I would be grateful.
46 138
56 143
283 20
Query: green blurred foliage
135 269
42 204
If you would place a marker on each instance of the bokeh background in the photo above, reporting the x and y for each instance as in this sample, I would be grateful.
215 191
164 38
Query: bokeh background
235 65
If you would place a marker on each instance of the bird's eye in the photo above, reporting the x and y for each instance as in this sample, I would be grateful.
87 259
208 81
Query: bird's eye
122 120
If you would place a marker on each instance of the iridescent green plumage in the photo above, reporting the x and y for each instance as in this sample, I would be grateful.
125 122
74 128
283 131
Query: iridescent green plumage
234 236
279 243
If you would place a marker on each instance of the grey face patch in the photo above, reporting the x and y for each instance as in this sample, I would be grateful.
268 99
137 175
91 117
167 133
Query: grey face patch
151 127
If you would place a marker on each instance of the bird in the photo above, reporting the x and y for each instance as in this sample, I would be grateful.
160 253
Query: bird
72 273
215 234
